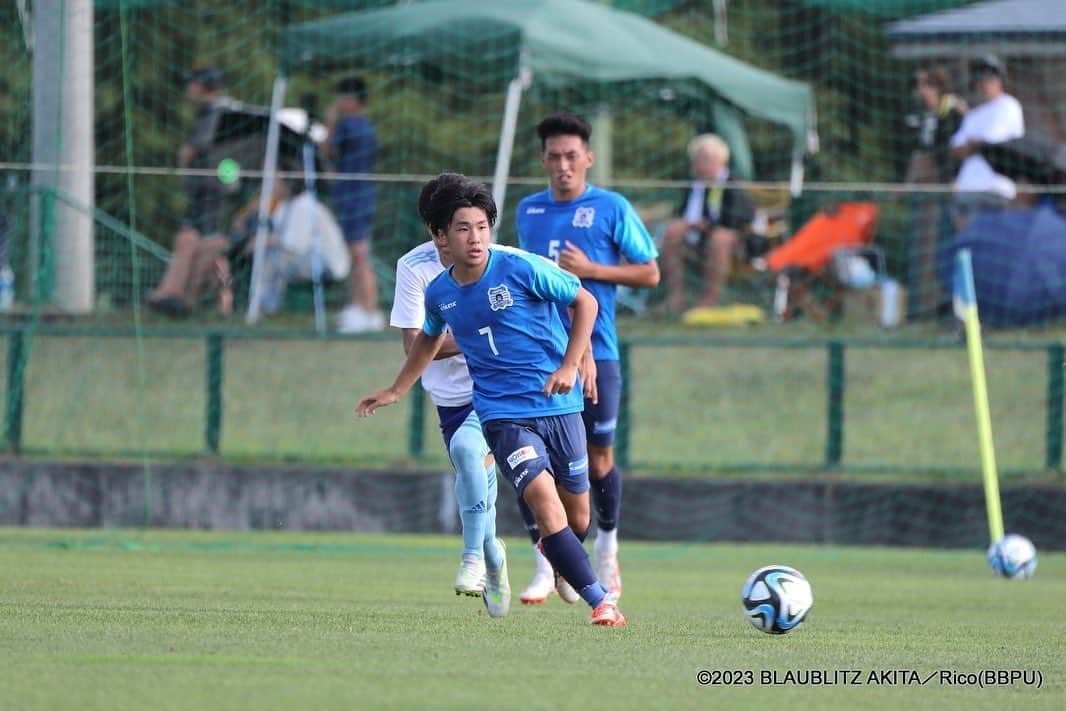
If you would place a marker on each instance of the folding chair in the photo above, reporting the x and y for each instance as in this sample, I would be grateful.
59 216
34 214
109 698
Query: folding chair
811 267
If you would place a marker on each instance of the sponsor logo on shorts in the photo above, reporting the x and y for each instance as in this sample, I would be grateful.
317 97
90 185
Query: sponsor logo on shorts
605 426
579 466
518 478
523 454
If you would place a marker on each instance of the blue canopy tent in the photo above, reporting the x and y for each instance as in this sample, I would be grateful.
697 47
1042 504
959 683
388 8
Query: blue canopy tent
1019 265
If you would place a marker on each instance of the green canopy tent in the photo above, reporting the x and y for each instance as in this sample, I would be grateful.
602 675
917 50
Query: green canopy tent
557 43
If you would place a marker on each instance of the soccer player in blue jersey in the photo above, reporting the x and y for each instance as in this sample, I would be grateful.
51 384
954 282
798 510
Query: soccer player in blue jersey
596 235
502 307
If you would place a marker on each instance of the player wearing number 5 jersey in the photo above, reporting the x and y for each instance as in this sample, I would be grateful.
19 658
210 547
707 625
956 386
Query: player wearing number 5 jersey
596 235
502 307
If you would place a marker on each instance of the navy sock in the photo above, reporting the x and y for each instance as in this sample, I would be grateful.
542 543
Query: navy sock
607 498
531 523
581 535
570 560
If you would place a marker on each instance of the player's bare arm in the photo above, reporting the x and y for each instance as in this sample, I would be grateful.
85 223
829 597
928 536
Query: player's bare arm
641 276
448 346
583 311
587 371
421 355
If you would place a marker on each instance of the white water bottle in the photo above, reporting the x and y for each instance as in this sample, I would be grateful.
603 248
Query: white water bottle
7 288
889 303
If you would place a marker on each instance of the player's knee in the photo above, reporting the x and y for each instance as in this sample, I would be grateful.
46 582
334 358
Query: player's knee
467 450
601 461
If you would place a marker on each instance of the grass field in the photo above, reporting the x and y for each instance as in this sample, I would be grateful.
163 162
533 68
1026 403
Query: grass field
185 620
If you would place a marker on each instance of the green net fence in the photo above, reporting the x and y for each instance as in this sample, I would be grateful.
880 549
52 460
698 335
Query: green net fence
819 101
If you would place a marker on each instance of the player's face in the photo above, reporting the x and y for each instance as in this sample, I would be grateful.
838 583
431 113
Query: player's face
467 238
567 159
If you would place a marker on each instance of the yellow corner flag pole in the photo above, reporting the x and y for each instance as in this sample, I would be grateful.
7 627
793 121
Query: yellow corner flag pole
965 298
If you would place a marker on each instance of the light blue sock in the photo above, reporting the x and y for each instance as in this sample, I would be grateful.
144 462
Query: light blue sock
468 451
493 554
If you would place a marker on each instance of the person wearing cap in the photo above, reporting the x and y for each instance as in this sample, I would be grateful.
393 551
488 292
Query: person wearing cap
199 243
936 116
997 118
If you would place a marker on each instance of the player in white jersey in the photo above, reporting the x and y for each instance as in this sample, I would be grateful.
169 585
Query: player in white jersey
483 567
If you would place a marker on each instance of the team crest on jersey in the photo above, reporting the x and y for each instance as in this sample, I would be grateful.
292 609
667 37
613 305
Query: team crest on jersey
500 297
583 217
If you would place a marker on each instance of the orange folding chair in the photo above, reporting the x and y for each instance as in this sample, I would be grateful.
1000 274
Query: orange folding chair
804 264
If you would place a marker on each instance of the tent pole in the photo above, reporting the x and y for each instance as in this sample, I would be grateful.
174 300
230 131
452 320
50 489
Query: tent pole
795 178
270 165
507 132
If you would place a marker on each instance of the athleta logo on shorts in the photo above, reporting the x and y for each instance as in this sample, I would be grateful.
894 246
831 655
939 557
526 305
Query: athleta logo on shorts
583 217
500 297
605 426
523 454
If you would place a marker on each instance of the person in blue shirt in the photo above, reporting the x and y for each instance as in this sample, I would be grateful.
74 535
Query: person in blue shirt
596 235
502 307
352 146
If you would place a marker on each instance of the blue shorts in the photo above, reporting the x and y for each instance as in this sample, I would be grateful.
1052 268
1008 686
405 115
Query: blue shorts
353 217
525 448
451 419
601 419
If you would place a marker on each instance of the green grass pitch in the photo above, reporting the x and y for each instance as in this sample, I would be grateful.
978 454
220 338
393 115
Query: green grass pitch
186 620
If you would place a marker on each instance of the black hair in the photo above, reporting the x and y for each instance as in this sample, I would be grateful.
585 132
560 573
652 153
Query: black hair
429 188
353 85
564 124
450 192
209 75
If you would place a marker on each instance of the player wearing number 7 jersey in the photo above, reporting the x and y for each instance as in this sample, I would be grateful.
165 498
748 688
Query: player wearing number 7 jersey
502 307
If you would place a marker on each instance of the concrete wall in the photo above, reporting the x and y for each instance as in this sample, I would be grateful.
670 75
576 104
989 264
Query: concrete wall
211 495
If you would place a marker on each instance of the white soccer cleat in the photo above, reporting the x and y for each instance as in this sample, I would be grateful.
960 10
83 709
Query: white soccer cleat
356 319
566 590
539 588
607 613
609 573
471 577
497 594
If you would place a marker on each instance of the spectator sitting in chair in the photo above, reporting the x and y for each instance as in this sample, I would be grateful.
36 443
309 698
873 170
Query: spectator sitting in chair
199 243
301 227
710 219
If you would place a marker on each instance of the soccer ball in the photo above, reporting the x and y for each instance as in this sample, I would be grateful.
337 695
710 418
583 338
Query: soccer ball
1013 557
776 599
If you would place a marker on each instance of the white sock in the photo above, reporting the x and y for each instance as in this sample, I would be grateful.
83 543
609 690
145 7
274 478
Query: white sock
606 542
544 566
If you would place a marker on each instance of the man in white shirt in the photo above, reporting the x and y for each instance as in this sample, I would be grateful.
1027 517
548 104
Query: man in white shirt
996 119
483 568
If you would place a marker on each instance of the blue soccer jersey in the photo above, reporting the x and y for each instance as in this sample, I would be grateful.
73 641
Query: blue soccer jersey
507 325
605 227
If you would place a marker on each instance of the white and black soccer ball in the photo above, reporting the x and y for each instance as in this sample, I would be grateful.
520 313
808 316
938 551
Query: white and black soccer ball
1013 557
776 599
